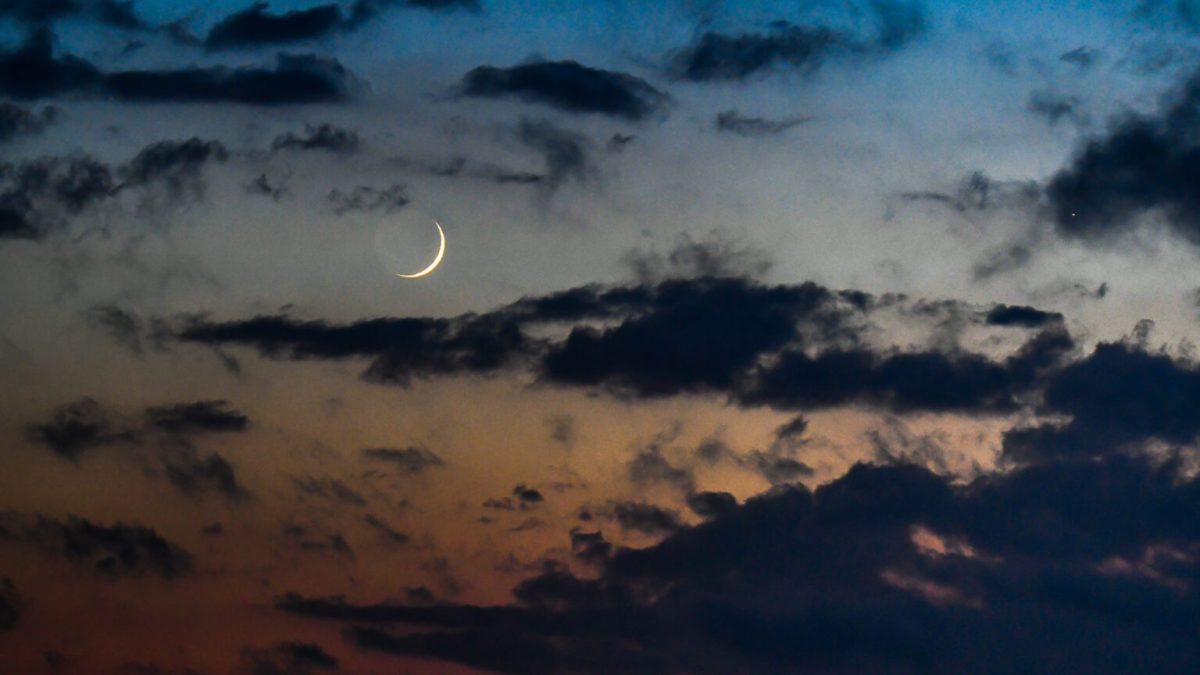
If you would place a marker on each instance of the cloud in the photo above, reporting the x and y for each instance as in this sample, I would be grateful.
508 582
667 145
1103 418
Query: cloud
113 13
400 348
714 56
17 121
711 504
649 467
192 475
646 518
362 11
734 122
793 347
562 428
776 468
37 195
590 547
1118 397
1021 315
1055 107
32 71
321 137
410 460
83 425
978 193
523 498
175 164
1142 166
263 186
566 152
904 382
390 534
887 568
527 495
118 550
369 199
460 166
295 79
713 256
289 658
568 86
329 488
78 427
255 26
700 336
10 605
472 5
197 417
332 543
1082 56
792 429
125 327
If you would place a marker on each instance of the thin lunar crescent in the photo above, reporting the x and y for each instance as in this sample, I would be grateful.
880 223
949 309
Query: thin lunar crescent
433 265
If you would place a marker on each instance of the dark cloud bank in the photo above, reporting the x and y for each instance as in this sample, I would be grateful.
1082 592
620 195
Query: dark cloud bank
1080 552
1087 564
787 347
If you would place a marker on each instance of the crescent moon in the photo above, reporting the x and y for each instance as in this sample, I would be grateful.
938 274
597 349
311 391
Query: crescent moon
436 261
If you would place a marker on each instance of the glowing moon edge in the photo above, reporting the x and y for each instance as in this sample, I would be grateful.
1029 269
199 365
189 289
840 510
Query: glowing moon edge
436 261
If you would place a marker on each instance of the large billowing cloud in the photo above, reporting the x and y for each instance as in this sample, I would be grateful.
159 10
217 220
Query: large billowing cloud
887 569
1144 166
1119 396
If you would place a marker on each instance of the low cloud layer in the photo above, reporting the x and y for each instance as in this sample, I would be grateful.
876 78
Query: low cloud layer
888 568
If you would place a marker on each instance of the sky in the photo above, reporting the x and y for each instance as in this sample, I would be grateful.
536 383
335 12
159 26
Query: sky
772 337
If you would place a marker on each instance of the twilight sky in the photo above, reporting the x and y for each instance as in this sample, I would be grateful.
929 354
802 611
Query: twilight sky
782 337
